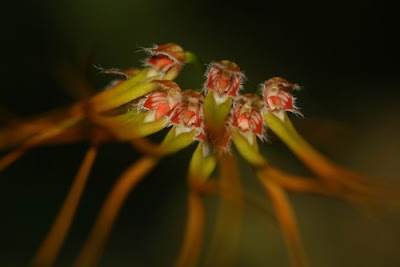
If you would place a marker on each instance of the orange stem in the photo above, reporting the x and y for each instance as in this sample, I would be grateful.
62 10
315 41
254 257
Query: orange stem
34 141
297 183
193 237
225 241
93 248
287 220
51 245
11 157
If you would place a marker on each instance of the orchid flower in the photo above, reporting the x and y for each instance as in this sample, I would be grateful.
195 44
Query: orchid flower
224 79
167 59
277 96
247 116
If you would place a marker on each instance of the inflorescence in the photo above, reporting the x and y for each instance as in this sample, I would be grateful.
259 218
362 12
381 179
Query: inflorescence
146 100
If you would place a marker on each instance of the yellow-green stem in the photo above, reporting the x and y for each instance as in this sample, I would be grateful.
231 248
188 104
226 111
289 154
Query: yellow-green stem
133 93
215 115
227 232
200 169
248 151
323 167
288 181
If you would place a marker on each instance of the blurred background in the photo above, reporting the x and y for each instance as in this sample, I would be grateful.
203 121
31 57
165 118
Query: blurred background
343 54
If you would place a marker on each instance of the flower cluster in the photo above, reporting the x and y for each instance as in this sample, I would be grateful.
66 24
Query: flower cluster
146 100
224 80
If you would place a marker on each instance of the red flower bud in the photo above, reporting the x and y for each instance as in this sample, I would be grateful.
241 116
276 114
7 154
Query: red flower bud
246 114
276 93
163 101
224 78
166 56
189 113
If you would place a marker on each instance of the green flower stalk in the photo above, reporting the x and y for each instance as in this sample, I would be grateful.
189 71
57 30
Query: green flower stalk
200 169
227 232
340 181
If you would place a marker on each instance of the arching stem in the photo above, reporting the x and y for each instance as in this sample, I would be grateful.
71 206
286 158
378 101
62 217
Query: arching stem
51 245
93 248
287 221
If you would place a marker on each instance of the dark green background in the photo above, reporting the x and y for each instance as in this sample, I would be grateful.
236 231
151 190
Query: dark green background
344 55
